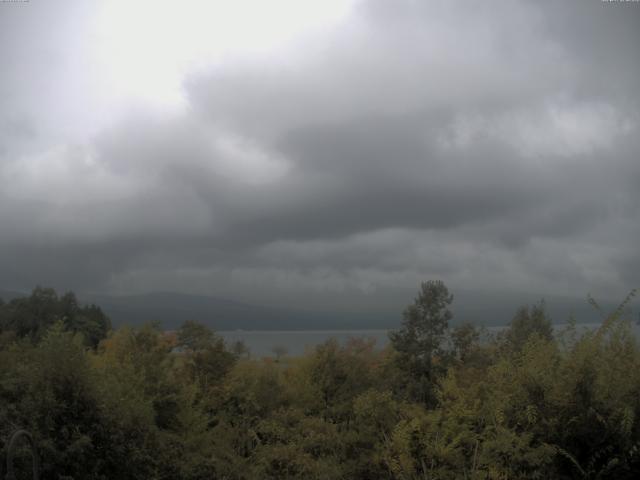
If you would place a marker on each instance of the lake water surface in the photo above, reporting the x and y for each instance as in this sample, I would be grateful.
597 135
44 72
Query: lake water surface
262 342
296 342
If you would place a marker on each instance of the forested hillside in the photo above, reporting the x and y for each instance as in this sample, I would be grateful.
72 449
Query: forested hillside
438 403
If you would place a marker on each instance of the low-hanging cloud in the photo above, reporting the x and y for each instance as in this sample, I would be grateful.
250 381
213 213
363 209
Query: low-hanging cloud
495 147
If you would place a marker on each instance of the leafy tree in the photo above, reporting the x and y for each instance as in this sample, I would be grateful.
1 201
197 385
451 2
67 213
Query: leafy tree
525 405
206 358
195 336
31 317
528 321
339 374
464 338
419 341
91 322
145 390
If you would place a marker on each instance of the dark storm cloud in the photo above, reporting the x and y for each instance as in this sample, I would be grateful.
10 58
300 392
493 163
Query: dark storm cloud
487 144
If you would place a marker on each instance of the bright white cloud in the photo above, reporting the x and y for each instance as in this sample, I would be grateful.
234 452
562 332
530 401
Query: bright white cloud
148 46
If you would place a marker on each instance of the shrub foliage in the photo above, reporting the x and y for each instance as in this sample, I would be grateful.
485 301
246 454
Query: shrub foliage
437 403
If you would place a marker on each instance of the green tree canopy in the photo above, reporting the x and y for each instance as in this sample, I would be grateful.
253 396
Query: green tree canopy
526 322
420 339
32 316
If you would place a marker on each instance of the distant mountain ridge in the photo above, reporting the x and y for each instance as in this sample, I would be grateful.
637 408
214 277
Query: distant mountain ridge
171 309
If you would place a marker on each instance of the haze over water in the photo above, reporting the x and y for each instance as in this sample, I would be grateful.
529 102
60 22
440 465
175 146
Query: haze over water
297 342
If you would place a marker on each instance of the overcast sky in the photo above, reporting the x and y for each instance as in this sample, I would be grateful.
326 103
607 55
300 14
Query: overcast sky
335 149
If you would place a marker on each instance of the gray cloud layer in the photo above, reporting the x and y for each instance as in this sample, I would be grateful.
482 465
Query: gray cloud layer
492 144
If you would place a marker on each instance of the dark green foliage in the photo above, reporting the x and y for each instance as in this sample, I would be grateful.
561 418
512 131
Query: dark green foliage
30 317
206 358
194 336
528 321
437 404
464 339
419 341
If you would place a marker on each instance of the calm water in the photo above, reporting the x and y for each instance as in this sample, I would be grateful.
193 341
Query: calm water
296 342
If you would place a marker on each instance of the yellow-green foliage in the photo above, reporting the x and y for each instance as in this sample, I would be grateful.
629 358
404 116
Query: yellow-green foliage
147 405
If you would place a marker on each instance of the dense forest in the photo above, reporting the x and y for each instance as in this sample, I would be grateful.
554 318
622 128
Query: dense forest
440 402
